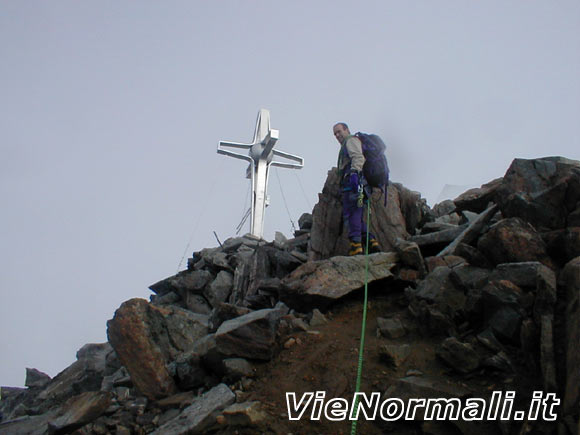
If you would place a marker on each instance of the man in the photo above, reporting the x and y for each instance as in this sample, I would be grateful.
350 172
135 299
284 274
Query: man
352 183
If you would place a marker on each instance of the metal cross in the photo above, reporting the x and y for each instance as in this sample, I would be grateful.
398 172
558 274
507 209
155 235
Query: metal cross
260 155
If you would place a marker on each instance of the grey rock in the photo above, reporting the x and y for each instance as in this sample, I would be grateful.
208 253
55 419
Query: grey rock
471 232
505 324
540 191
499 361
245 414
197 303
317 319
80 410
438 288
169 298
200 415
547 357
249 336
469 277
460 356
391 327
473 256
236 368
186 281
27 425
569 280
443 208
443 237
305 221
522 274
394 355
410 255
220 288
434 227
36 378
223 312
478 199
188 371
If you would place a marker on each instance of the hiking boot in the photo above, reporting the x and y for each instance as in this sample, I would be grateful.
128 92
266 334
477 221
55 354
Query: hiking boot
355 248
374 246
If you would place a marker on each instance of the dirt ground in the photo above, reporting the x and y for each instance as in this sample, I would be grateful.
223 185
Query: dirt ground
326 359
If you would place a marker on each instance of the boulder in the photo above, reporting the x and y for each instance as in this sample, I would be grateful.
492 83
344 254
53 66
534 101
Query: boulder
541 191
220 288
478 199
305 221
186 281
146 338
569 281
438 288
563 245
391 327
394 355
460 356
250 336
80 410
85 374
404 210
245 414
511 241
201 414
36 379
319 283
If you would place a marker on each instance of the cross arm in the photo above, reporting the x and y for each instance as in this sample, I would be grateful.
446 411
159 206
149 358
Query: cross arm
221 150
299 160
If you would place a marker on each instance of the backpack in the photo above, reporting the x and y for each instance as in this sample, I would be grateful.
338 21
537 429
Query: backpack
375 169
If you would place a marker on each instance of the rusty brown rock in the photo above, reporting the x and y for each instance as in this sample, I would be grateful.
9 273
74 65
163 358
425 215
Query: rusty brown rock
130 333
512 241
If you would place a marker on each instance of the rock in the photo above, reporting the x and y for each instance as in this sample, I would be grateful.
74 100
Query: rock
470 233
570 282
443 208
505 323
524 274
317 319
547 359
394 355
403 212
197 303
237 368
245 414
513 241
186 281
545 299
499 361
460 356
223 312
541 191
436 226
319 283
169 298
305 221
391 327
478 199
27 425
179 400
85 374
187 371
80 410
447 261
249 336
220 288
146 338
410 255
498 294
472 255
489 340
563 245
200 415
36 378
432 243
469 277
438 288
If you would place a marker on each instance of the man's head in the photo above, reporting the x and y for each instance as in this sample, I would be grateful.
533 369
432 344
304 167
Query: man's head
341 132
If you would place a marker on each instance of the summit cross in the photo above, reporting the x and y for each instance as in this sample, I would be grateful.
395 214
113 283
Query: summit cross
260 155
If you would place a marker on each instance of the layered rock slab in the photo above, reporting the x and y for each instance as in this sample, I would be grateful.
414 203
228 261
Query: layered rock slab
319 283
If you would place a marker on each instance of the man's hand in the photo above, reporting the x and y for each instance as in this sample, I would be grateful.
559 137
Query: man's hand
354 181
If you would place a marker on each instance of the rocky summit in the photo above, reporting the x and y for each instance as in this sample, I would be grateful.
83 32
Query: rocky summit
474 298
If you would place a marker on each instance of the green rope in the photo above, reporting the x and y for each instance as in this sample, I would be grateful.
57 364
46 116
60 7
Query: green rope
364 321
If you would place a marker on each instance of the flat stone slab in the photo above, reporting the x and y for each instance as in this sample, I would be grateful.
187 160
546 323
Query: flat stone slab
200 414
319 283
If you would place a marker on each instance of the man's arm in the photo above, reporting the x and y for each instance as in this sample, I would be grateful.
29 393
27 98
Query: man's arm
354 149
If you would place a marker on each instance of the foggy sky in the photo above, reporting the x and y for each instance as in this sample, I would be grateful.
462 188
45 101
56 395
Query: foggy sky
110 113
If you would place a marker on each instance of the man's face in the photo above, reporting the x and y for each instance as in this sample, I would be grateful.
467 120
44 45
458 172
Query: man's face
340 133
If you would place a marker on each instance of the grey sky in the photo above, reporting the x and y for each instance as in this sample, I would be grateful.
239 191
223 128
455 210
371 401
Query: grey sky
110 113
